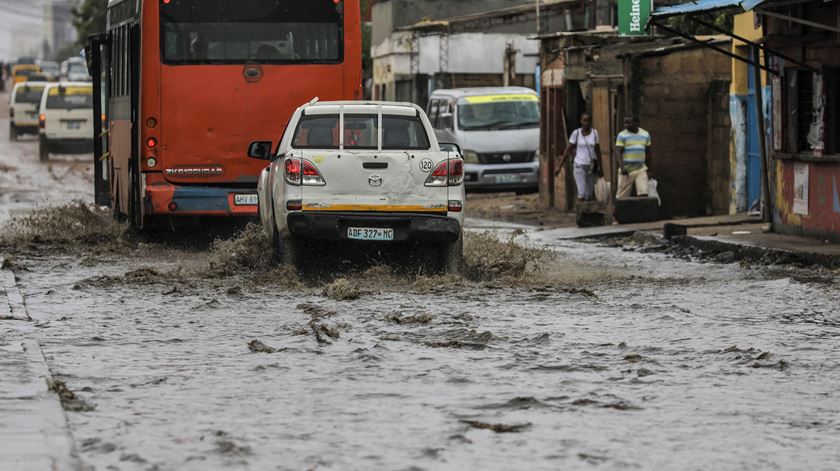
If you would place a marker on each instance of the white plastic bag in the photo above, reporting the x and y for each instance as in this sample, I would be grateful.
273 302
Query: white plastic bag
653 190
602 190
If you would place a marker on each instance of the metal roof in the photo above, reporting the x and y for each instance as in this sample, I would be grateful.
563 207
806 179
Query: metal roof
703 6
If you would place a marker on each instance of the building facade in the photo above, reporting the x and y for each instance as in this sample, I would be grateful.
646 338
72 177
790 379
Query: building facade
422 45
678 89
804 134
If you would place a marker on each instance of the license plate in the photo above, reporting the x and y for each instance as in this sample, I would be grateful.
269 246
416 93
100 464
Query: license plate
368 233
508 179
74 125
246 200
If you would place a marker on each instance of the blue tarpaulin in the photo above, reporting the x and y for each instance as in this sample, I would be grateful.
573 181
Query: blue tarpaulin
703 6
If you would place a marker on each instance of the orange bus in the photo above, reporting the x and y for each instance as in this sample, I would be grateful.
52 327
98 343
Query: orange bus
186 85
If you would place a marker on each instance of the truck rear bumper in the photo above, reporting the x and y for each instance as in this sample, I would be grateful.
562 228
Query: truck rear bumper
166 199
406 226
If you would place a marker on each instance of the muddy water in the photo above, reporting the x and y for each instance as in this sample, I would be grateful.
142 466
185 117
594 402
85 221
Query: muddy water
595 358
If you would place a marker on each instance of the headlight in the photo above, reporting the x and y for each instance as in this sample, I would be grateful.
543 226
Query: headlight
470 157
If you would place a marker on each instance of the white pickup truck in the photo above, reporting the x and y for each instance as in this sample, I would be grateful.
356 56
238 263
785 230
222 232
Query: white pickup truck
370 172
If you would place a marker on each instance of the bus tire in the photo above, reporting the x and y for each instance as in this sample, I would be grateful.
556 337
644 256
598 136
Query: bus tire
452 257
44 149
13 134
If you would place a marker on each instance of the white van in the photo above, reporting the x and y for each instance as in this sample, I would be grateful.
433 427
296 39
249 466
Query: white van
498 130
23 108
66 119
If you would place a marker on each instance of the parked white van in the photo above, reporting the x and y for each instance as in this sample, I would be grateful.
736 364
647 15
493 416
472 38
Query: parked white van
66 119
498 130
23 108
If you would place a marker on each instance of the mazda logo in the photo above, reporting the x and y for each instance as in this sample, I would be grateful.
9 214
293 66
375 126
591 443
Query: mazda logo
507 157
375 180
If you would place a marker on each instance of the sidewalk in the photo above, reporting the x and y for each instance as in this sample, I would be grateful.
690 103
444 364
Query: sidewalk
735 237
34 435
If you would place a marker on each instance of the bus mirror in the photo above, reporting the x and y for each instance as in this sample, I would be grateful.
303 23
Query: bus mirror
260 150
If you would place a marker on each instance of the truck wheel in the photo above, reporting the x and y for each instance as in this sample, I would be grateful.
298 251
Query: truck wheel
286 249
452 257
13 134
44 149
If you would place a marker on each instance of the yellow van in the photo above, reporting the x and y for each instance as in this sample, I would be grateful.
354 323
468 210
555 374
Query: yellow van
21 72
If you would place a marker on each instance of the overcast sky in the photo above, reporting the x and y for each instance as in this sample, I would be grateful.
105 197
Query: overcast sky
21 25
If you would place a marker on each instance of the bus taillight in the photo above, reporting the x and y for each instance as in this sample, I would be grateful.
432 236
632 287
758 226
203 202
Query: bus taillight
42 121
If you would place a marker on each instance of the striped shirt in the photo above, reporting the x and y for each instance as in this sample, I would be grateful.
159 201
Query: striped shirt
634 145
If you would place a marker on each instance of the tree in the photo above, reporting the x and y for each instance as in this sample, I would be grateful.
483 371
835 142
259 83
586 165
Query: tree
89 18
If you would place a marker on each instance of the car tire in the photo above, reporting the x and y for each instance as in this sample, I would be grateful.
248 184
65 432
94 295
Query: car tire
13 133
44 149
452 257
286 249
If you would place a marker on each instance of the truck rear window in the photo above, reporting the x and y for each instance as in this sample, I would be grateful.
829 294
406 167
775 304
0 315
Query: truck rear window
361 132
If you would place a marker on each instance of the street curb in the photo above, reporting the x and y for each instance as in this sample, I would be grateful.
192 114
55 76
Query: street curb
34 432
759 253
13 308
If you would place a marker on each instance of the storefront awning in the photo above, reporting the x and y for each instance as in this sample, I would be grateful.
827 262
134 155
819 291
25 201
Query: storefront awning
703 6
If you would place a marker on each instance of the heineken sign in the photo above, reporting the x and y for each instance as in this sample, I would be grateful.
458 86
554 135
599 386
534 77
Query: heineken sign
633 17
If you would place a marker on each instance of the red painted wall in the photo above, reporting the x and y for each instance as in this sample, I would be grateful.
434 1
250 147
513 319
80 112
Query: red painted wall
823 219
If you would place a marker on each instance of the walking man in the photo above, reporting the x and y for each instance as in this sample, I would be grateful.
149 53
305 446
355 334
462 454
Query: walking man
633 152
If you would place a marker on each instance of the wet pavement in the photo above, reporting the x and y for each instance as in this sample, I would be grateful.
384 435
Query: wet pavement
585 357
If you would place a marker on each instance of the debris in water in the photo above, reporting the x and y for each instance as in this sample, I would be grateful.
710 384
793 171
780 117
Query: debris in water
69 401
324 331
498 428
342 290
258 347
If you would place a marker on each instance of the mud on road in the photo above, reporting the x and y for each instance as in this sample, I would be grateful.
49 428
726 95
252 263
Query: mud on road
581 357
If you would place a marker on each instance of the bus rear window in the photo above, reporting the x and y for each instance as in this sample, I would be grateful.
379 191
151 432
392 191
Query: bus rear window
31 95
69 100
263 31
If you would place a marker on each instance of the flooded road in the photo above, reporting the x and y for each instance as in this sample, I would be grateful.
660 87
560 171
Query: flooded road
602 359
567 356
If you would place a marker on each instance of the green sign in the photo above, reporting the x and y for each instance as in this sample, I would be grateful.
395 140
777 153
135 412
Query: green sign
633 17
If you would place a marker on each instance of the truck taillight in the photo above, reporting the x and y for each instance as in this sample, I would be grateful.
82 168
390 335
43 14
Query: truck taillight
302 170
447 173
42 121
